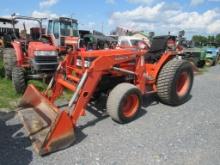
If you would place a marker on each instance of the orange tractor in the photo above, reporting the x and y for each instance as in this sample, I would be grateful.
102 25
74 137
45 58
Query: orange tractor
123 75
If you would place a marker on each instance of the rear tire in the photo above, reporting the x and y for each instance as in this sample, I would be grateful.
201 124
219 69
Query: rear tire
124 102
18 79
201 64
174 82
9 61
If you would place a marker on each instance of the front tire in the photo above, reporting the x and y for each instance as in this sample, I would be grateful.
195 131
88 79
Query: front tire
124 102
19 80
201 64
9 61
174 82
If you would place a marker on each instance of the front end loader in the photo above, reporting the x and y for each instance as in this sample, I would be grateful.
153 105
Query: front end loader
123 75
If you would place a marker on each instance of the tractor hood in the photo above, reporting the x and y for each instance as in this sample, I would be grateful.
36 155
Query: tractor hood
40 46
212 52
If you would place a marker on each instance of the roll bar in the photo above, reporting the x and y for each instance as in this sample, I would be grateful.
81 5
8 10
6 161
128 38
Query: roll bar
19 17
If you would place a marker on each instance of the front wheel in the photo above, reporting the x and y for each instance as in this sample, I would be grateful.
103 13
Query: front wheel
124 102
201 63
19 80
9 61
174 82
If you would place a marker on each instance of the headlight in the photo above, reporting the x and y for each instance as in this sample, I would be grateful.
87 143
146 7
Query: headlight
45 53
86 63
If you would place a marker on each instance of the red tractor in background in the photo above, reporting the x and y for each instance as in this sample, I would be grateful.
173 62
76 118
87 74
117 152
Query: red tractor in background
31 55
64 34
35 55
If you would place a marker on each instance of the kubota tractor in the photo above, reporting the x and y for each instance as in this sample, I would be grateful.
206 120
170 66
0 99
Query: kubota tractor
31 55
64 34
123 75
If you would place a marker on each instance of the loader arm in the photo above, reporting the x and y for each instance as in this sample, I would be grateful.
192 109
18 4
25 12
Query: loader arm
95 72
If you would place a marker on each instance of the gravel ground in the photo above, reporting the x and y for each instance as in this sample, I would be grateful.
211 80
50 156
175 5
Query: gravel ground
184 135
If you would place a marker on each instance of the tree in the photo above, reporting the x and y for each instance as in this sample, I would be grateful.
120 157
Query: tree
217 39
199 40
210 39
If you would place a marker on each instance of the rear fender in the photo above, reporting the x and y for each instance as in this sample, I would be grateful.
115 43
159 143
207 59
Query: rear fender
154 69
18 52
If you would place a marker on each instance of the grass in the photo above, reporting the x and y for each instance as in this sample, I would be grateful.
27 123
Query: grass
8 96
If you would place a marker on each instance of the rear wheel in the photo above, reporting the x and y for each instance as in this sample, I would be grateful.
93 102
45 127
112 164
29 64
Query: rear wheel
201 63
18 79
9 61
124 102
175 82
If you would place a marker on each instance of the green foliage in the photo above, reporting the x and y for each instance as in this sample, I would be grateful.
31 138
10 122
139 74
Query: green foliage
8 96
200 40
217 38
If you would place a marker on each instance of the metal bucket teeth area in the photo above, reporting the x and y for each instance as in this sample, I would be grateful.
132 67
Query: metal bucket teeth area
48 128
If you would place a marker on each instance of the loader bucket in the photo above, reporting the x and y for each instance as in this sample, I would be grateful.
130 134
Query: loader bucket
49 128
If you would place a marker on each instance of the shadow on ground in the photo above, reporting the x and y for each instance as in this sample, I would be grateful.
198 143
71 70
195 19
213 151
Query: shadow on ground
98 109
13 143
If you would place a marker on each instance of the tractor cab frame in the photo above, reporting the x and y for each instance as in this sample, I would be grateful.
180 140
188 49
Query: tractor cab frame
64 32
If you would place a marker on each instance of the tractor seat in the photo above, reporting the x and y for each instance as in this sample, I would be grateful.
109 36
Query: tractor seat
158 47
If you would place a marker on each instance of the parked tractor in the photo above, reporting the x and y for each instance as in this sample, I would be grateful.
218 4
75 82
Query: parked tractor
64 34
122 75
212 54
31 56
97 41
196 55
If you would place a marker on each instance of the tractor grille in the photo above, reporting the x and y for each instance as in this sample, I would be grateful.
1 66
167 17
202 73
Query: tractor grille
46 59
45 63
